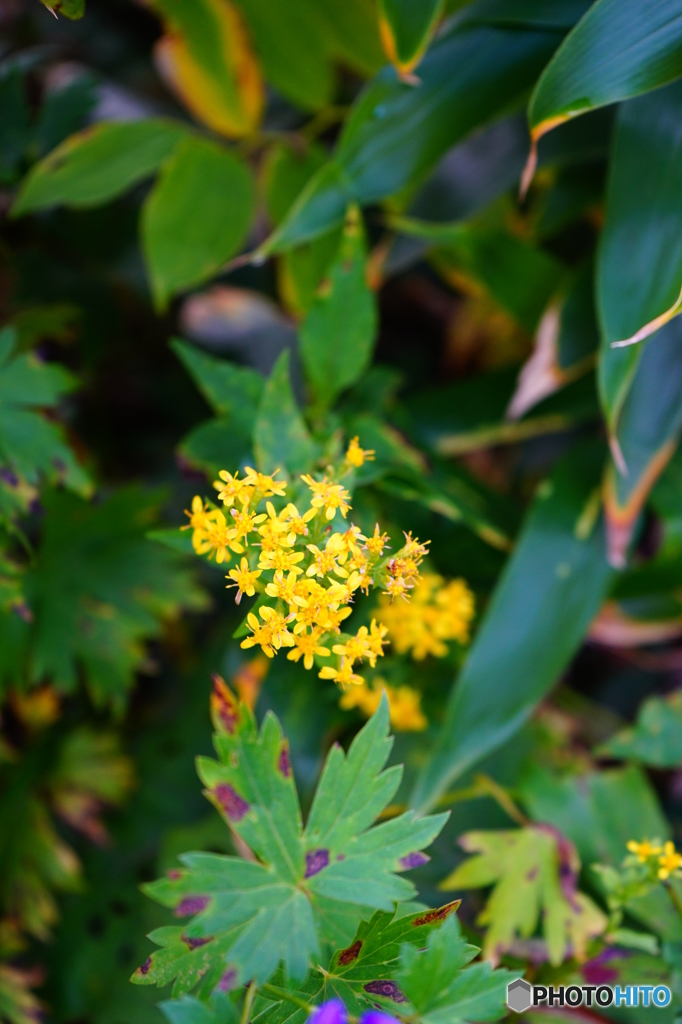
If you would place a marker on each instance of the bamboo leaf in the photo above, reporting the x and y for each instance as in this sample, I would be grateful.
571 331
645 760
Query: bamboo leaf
396 132
406 29
553 586
638 295
619 49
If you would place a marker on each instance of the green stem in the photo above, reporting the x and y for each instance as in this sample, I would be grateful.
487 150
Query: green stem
248 1003
674 896
281 993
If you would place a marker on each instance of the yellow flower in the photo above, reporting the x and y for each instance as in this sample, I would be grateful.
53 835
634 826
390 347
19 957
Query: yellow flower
296 524
376 543
306 646
405 708
271 635
245 523
199 517
330 559
356 455
266 486
232 489
280 558
404 704
343 675
244 579
669 861
328 496
643 850
437 613
215 539
285 589
356 647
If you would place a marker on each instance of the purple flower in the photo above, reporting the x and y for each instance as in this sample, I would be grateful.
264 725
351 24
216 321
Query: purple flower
377 1017
334 1012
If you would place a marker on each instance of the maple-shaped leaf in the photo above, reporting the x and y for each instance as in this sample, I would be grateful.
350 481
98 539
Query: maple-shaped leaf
31 446
534 871
248 916
439 988
97 590
18 1005
362 972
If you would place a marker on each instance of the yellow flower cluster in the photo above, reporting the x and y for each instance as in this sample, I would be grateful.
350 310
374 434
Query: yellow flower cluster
309 572
404 704
439 611
667 859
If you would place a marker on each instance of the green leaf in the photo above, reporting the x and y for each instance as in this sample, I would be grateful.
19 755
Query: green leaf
366 967
443 989
291 41
534 872
31 447
73 9
98 164
637 295
231 390
647 433
338 334
520 277
406 29
98 590
655 738
248 916
457 496
552 586
188 1010
396 132
600 812
299 272
619 49
196 217
281 439
206 59
542 14
15 129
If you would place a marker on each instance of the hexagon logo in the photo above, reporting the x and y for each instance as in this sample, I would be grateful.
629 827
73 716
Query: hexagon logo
519 995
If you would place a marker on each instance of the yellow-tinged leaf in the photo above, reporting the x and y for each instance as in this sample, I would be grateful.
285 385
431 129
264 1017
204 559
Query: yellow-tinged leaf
228 94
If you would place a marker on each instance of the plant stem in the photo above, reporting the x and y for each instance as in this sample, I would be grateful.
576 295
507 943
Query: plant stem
281 993
248 1003
674 896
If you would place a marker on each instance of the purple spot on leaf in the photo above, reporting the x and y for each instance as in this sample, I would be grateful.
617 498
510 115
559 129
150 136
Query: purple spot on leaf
228 981
315 861
533 873
414 860
387 989
8 477
195 942
191 905
174 874
230 801
284 764
340 856
144 968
